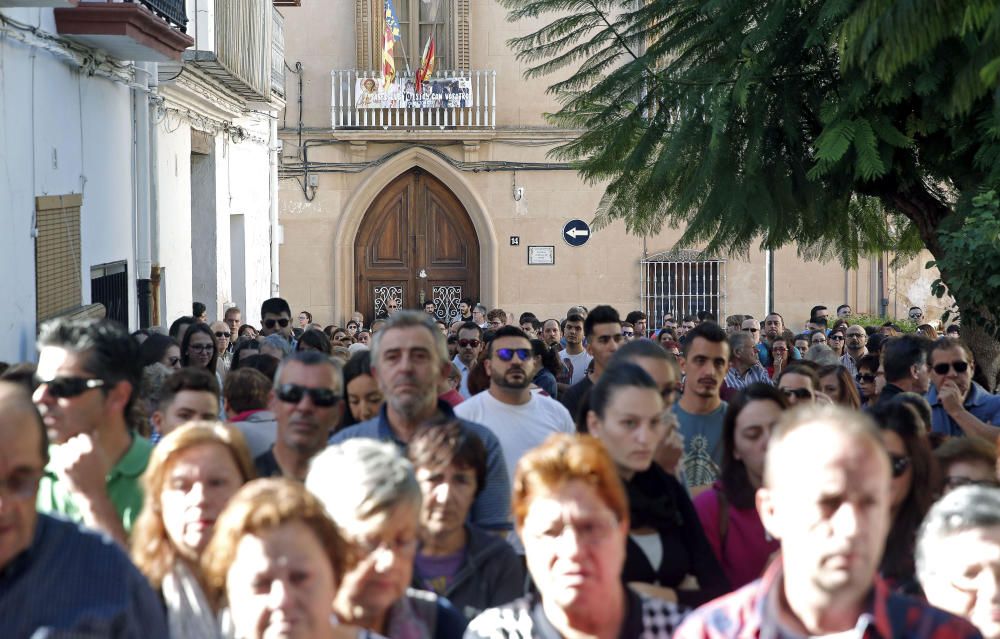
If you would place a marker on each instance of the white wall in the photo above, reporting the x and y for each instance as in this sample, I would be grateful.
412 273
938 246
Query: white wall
60 133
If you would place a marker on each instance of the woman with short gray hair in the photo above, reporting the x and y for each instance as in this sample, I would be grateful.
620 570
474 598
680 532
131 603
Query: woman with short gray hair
958 556
372 494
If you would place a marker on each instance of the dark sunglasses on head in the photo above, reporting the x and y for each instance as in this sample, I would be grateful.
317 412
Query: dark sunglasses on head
943 368
293 393
221 334
899 464
800 393
283 322
66 387
866 378
507 354
469 343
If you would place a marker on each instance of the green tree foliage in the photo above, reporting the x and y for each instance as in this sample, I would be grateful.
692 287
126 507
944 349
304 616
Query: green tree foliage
843 126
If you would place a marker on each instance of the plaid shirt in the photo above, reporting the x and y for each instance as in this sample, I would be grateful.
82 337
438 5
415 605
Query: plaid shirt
755 374
746 614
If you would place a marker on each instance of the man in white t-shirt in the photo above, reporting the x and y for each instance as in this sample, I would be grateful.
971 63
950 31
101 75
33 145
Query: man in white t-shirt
519 418
575 355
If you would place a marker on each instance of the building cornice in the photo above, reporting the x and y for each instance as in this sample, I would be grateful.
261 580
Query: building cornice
187 88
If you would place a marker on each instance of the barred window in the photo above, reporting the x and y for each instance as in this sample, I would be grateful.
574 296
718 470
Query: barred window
680 283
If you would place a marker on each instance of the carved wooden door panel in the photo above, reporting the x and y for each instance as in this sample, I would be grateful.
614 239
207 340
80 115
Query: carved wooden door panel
416 242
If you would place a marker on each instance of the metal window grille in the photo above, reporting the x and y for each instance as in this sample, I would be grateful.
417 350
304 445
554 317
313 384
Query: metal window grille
109 286
680 283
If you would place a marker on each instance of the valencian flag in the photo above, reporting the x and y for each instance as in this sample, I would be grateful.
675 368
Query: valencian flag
426 63
389 37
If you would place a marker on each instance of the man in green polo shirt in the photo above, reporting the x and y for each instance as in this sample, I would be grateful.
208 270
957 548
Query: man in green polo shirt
88 372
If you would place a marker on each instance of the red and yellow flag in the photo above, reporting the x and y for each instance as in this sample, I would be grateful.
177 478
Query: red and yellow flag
426 63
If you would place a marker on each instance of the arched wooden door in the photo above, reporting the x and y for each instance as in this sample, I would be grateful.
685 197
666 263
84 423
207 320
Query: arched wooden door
416 242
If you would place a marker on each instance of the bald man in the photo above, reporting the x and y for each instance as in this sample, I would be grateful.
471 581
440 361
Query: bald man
826 499
57 578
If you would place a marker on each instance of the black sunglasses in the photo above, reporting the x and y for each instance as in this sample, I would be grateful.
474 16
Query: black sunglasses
293 393
221 334
836 337
801 393
283 322
470 343
899 464
752 330
867 378
942 369
507 354
67 387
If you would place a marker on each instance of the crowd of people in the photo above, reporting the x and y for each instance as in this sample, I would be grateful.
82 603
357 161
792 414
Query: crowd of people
421 476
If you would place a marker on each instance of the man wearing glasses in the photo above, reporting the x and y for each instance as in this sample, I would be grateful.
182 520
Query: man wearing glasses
276 318
57 579
470 345
307 402
519 418
223 336
959 406
88 372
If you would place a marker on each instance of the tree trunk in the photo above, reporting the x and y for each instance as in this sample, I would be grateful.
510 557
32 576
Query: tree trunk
986 351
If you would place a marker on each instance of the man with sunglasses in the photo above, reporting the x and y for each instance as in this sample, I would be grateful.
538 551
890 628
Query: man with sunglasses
519 418
409 360
88 372
56 578
307 402
223 336
904 360
960 406
276 317
470 345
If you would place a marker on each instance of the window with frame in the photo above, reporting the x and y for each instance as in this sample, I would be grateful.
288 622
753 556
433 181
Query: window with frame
448 20
58 280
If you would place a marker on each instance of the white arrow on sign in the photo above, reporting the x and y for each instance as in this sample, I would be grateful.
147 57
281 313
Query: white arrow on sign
575 232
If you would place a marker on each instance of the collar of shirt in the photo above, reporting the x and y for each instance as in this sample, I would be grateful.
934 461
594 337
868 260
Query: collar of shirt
133 464
632 624
385 432
461 365
760 621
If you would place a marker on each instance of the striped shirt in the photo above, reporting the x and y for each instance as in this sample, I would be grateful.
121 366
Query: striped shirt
754 375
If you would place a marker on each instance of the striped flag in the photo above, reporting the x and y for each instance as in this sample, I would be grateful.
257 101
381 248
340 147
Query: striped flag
426 63
388 40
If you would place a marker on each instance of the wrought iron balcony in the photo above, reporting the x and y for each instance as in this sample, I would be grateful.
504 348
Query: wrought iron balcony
141 30
448 99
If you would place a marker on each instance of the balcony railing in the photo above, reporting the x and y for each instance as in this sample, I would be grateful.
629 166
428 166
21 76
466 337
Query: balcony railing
238 54
449 99
170 10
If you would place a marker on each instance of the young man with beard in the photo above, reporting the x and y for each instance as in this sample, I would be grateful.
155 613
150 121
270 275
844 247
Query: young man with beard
705 362
519 418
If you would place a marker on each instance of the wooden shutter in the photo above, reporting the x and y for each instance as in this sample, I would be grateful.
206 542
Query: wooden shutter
58 285
463 38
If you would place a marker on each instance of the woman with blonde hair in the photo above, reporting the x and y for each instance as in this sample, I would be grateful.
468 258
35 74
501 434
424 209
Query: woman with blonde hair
275 563
192 474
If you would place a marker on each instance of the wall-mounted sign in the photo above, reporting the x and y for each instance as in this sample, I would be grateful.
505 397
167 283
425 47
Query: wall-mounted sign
576 232
541 255
515 240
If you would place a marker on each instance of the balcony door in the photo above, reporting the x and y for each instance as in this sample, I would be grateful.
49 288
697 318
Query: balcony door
416 242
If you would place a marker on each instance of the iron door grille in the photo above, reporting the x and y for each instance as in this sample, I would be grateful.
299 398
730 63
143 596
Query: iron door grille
109 286
680 283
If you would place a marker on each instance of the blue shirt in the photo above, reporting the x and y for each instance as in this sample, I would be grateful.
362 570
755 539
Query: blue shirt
491 510
983 406
74 582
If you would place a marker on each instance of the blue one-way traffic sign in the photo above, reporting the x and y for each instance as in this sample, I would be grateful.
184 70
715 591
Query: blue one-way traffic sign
576 232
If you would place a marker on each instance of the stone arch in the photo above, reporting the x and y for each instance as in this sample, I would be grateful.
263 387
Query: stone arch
368 189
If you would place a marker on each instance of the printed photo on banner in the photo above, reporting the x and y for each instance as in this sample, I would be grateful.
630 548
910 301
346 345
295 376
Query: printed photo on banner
401 93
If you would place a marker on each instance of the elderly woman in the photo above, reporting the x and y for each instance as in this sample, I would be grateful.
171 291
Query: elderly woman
192 474
667 554
372 494
474 569
276 560
569 484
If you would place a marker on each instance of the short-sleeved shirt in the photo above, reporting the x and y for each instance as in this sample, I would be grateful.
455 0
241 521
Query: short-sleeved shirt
579 362
983 405
123 483
702 444
491 509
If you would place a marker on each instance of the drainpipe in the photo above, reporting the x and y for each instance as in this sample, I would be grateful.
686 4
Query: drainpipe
274 148
142 172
